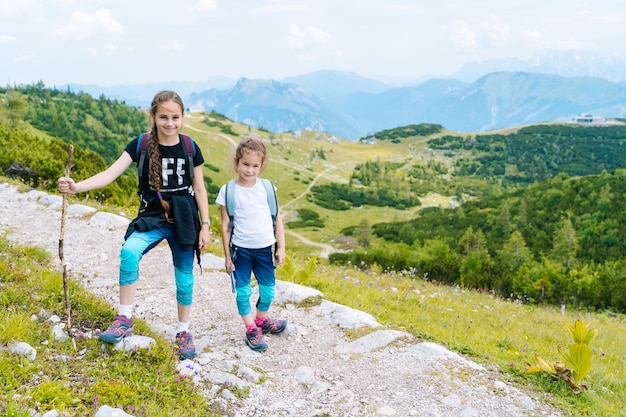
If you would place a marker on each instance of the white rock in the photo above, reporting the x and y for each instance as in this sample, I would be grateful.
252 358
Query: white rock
107 411
372 341
79 210
109 220
385 410
24 349
304 375
347 317
58 333
452 401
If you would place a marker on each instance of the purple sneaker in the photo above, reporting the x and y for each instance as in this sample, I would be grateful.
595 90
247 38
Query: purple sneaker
184 346
254 339
121 327
273 326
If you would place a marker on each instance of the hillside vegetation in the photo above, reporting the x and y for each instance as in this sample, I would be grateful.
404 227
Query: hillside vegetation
539 219
532 214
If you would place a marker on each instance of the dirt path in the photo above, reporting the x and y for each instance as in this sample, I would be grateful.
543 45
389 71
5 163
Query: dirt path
309 370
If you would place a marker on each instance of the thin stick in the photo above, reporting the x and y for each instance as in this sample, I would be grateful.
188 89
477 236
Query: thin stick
66 289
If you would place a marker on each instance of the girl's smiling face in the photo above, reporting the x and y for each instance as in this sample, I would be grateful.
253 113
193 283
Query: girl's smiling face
249 167
169 122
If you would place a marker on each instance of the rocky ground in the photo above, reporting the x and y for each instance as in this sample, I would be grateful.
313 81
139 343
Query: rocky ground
311 369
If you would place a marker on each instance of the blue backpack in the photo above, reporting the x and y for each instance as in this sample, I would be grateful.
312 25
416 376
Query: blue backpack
142 149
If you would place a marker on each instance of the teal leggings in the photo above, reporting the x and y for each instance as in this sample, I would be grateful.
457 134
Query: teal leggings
140 243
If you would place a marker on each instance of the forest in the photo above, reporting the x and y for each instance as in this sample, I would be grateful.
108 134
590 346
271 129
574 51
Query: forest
537 153
99 129
548 229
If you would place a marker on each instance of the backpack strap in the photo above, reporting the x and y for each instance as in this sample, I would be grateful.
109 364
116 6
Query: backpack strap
271 200
273 203
142 150
230 203
191 151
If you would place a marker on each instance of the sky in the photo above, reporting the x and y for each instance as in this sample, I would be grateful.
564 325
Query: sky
113 42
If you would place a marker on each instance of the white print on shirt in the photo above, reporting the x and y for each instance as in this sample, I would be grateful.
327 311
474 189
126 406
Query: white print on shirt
177 174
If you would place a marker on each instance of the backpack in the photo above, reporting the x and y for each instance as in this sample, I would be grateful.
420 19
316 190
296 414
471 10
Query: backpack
271 200
142 149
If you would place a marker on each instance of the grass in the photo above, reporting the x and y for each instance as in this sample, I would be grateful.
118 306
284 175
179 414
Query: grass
77 379
498 334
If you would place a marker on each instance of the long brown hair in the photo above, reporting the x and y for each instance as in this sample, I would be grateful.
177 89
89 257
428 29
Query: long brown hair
153 146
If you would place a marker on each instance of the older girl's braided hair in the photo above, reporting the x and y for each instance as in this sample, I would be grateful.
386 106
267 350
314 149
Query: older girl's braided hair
153 146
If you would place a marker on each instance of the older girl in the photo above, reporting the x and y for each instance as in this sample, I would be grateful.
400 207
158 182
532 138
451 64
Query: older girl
173 207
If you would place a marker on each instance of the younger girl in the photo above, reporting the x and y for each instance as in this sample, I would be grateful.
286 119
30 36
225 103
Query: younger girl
248 246
170 201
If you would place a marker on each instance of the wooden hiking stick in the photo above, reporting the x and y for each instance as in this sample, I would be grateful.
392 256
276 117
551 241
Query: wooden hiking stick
66 288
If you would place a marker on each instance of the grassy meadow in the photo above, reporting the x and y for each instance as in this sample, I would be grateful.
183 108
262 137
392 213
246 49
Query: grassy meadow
499 335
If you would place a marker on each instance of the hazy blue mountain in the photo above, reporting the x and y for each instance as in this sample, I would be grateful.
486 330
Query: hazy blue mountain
497 100
281 107
329 84
570 63
141 95
275 106
508 99
395 107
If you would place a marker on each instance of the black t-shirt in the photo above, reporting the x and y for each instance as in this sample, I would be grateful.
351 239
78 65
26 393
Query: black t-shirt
174 171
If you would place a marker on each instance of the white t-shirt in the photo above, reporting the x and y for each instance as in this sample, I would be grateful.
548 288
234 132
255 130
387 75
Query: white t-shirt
254 228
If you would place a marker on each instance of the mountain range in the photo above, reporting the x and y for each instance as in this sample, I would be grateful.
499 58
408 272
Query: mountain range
351 106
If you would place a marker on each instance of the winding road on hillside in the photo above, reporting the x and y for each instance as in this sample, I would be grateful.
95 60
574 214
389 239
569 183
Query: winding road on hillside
326 249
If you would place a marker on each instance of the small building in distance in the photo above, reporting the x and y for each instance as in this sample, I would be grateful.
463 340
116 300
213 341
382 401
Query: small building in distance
587 119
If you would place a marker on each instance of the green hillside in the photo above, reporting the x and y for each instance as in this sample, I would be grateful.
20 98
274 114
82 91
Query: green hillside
539 214
537 218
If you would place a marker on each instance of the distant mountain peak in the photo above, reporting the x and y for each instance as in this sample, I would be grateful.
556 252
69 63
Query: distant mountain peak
570 63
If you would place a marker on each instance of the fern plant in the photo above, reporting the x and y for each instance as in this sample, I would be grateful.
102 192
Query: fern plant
295 270
576 362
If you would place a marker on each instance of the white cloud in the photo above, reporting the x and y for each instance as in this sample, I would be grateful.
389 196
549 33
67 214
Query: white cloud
174 45
279 7
533 35
6 39
462 35
572 44
84 25
205 5
111 49
494 28
299 39
9 8
24 58
613 17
